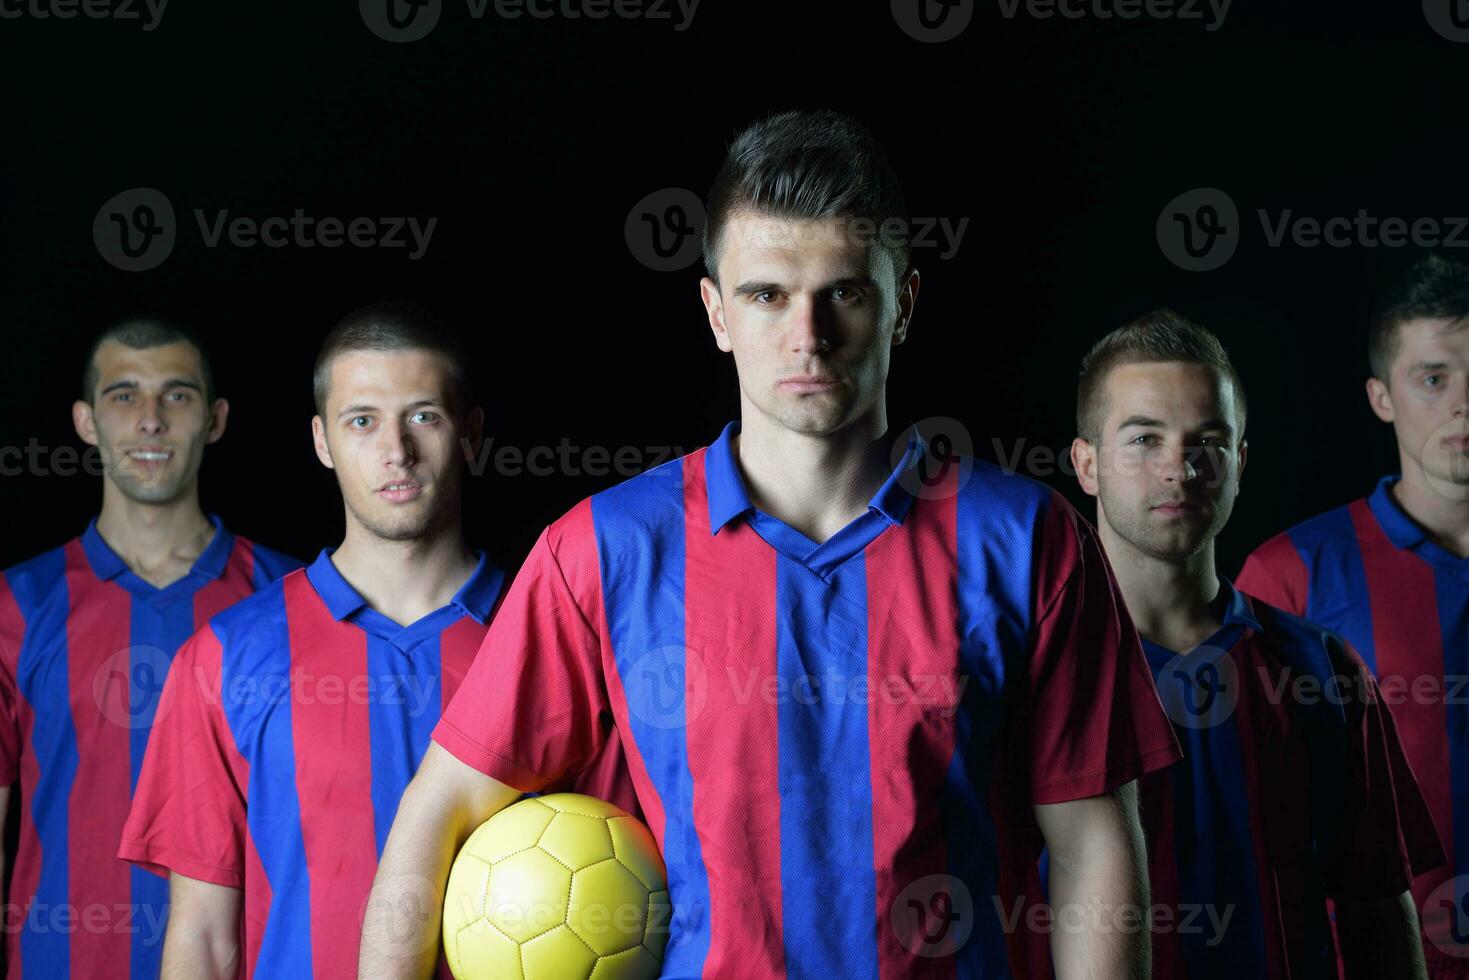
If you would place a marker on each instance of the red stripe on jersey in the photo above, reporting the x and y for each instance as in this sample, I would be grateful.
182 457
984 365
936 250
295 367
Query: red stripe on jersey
910 588
1276 573
457 646
1405 622
98 637
237 582
333 774
27 873
737 572
1155 799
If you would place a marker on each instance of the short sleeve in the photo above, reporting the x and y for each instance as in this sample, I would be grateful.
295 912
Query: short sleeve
1388 836
189 809
1275 573
533 708
12 636
1092 720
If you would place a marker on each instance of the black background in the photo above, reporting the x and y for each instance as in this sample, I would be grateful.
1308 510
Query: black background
1060 141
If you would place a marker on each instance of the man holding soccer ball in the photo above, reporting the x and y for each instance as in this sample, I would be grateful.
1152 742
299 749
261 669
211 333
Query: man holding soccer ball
848 691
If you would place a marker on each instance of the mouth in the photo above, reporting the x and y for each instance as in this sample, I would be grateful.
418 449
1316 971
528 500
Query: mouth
1178 508
149 456
1458 444
400 491
808 383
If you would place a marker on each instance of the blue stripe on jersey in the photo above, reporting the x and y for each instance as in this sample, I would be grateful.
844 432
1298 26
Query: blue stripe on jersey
1453 617
829 887
1329 548
402 710
639 527
155 634
260 721
995 526
1212 838
42 593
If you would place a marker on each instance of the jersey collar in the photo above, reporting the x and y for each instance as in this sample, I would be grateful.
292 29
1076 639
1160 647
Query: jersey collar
475 598
1400 529
108 564
728 498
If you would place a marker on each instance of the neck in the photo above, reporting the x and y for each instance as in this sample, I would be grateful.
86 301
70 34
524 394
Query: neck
817 484
1445 519
405 580
159 542
1171 601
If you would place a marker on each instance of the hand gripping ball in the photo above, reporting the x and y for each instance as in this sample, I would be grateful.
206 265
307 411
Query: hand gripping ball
559 887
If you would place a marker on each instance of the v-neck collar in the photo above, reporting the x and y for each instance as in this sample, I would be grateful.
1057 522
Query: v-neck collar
1236 619
475 599
1408 534
109 566
729 499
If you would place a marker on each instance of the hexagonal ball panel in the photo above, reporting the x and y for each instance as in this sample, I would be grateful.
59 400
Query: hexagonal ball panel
634 846
557 954
480 953
633 964
512 829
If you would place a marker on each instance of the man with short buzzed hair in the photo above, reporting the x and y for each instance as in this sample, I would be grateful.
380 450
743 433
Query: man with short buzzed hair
87 632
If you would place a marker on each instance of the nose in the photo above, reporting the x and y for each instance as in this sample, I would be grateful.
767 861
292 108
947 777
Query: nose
396 444
809 329
1175 464
150 419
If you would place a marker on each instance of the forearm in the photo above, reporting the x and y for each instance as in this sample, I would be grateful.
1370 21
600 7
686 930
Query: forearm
203 940
1380 938
442 805
1099 894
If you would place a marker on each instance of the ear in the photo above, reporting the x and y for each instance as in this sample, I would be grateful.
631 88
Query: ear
84 420
474 434
907 297
1084 461
219 413
1244 456
714 307
318 439
1379 398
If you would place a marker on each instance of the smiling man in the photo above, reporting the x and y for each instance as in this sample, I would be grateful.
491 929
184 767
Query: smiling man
845 693
297 718
1390 571
1293 787
87 631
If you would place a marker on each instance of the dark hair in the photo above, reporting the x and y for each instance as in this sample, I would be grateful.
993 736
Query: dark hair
1432 288
1161 335
143 333
393 326
808 166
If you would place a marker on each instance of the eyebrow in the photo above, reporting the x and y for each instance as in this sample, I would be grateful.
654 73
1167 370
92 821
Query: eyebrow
1428 366
1144 421
755 287
170 383
361 407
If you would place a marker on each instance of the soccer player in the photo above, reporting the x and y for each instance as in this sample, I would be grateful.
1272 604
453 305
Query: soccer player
298 716
1293 785
87 631
1390 571
852 685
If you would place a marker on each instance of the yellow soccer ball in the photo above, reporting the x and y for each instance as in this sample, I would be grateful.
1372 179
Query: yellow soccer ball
557 887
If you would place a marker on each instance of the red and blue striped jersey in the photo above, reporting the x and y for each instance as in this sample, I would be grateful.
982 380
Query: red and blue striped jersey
837 745
1369 572
1293 789
84 648
295 720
